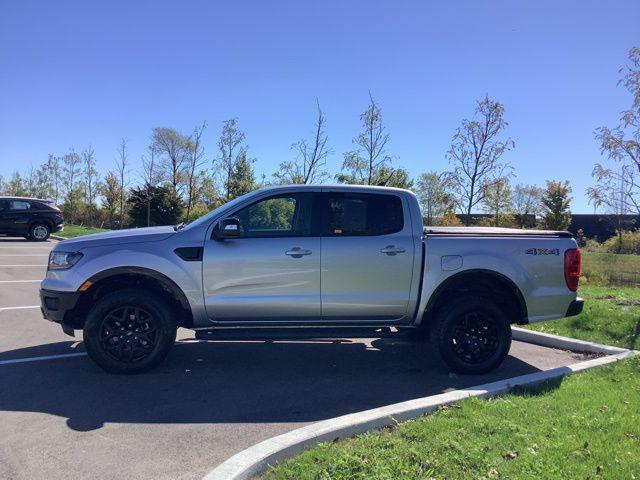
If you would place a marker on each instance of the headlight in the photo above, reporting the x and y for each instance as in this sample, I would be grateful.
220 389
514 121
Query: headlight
63 260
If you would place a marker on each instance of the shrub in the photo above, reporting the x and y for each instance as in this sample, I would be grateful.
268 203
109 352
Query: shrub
623 242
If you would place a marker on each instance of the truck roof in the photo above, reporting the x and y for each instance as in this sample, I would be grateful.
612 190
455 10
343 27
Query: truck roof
337 186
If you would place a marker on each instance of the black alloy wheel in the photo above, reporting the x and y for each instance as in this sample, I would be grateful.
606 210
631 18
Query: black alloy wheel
128 334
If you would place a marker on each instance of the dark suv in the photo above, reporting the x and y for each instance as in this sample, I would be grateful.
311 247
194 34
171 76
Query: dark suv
31 218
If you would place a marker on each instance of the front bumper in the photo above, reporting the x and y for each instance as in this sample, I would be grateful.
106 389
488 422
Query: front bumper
575 307
56 306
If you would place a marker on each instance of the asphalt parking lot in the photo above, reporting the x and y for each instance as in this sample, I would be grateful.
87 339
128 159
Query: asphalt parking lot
62 417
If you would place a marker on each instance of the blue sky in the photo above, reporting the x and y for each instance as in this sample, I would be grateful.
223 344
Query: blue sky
79 73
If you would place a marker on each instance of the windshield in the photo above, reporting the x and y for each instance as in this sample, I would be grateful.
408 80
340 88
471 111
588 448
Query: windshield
217 211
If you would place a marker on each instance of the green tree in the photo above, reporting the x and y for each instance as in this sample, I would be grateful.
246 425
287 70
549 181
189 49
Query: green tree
71 172
166 207
236 168
526 203
434 198
498 201
555 202
110 192
16 185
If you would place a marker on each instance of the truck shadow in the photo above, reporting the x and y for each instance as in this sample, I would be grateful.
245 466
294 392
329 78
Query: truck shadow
228 381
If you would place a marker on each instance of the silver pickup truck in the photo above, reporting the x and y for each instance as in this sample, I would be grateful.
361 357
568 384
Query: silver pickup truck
305 258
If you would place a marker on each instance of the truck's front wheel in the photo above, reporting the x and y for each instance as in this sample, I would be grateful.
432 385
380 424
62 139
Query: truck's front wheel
471 334
129 331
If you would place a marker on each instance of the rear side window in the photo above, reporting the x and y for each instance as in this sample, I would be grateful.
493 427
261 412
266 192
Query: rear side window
19 205
356 214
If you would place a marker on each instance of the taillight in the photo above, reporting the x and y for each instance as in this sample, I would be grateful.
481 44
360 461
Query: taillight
572 268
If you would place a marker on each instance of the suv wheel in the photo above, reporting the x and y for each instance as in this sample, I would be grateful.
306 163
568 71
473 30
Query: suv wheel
471 335
129 331
39 232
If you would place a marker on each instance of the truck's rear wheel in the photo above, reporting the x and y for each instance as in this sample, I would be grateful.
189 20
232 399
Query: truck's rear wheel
471 335
129 331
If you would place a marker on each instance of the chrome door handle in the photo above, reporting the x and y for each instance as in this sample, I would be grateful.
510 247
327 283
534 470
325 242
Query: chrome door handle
297 252
392 250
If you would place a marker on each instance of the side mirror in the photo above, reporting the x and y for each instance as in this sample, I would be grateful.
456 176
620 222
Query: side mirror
227 228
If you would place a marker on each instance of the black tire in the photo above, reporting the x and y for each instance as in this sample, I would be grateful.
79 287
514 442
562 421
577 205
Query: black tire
472 335
129 331
39 232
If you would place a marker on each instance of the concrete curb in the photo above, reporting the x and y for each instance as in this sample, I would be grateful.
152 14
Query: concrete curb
253 460
56 237
562 343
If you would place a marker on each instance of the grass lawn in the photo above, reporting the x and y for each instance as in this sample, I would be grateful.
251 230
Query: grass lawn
586 427
611 268
611 316
71 231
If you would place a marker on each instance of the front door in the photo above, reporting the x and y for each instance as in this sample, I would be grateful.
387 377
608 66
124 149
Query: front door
271 272
367 256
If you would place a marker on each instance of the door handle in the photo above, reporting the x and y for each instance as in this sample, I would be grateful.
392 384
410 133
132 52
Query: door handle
392 250
297 252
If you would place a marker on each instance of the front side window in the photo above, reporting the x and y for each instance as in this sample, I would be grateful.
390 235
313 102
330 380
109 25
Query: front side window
356 214
287 215
19 205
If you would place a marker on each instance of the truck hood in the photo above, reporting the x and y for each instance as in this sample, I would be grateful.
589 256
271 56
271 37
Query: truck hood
117 237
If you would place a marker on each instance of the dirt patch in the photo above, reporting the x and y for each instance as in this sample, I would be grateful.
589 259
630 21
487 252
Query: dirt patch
628 303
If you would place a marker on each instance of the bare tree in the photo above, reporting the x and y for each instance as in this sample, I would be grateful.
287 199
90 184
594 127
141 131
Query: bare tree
618 189
476 155
172 146
122 170
90 180
30 181
369 163
194 162
150 177
310 158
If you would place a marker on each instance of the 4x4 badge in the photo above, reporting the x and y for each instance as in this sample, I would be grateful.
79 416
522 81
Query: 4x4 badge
542 251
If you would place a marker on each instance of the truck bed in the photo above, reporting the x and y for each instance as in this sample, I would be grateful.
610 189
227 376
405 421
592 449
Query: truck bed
493 232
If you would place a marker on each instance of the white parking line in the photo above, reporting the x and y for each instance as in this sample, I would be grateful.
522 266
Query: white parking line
20 281
45 357
5 309
25 255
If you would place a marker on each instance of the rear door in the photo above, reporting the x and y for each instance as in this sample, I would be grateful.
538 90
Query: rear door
367 256
18 216
271 272
4 210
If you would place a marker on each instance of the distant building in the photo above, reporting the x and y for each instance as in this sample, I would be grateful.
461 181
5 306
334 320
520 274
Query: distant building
527 221
602 226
